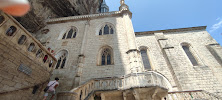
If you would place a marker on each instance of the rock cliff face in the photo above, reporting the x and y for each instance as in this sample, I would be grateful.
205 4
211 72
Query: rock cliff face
45 9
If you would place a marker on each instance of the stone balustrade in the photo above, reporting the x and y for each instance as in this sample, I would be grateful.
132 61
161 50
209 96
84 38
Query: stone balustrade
24 63
134 80
192 95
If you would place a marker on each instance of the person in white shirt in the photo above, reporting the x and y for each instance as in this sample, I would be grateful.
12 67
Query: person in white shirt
52 86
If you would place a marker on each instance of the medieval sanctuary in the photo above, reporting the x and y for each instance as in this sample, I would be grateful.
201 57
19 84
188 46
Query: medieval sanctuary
97 55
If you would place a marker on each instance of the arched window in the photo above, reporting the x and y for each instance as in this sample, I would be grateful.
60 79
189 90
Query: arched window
145 59
189 54
31 47
11 30
70 34
2 19
22 39
107 29
106 57
62 58
38 53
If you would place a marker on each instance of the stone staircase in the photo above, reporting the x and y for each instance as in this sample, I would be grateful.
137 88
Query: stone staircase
134 80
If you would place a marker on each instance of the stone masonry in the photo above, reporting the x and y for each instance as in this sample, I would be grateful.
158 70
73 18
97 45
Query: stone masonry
21 71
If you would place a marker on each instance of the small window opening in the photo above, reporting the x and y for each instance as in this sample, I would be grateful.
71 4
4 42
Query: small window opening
106 29
58 63
22 39
38 53
108 59
64 36
11 31
103 59
111 31
63 63
100 32
45 58
70 33
145 58
2 18
190 55
74 35
31 47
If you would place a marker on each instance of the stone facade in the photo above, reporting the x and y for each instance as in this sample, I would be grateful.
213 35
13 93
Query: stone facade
100 57
83 69
23 74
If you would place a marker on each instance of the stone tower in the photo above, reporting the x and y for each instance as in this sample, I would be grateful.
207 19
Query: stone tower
104 8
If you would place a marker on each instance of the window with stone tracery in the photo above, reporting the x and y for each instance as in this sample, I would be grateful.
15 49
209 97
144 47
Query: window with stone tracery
62 58
106 29
71 33
106 57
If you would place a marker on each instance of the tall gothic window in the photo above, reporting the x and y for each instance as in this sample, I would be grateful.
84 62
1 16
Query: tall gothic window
192 59
145 59
62 58
107 29
106 57
70 34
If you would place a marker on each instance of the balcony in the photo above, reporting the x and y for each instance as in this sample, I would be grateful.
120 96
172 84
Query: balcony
141 82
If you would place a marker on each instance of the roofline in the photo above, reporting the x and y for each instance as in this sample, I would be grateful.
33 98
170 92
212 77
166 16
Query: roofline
81 17
172 30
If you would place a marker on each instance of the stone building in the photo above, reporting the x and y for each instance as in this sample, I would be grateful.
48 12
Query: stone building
101 57
25 65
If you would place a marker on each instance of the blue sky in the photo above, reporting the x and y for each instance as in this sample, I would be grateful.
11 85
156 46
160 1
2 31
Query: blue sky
149 15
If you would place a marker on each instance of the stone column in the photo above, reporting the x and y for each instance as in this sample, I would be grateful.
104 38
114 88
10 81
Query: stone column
103 96
132 52
166 49
81 57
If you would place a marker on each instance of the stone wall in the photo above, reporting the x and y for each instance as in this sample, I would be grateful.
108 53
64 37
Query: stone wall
180 71
88 31
21 69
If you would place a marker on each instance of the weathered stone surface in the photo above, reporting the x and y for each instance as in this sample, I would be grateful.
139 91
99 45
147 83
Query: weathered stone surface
13 76
41 10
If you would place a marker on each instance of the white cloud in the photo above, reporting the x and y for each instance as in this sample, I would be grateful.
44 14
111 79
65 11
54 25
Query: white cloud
216 26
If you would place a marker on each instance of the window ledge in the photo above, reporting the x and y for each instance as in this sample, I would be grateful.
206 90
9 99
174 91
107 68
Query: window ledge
105 65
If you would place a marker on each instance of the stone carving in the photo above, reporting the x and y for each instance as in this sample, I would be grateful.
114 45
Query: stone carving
122 2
